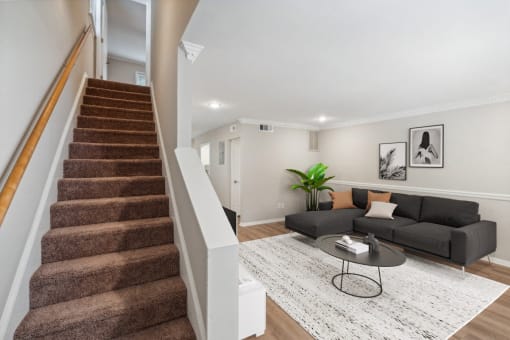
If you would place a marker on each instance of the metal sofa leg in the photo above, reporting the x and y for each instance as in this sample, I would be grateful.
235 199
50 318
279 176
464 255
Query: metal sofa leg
489 258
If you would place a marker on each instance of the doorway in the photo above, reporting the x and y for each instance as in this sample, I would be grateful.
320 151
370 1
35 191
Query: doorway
235 175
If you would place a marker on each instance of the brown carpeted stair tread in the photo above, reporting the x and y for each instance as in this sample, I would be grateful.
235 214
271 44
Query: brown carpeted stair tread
87 168
116 94
93 122
73 279
108 315
178 329
103 210
79 150
110 268
68 243
90 135
111 102
114 85
85 188
114 112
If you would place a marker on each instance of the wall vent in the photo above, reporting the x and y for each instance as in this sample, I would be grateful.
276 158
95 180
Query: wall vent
313 141
266 128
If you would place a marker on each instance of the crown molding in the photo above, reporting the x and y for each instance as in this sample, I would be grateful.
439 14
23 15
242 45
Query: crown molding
124 59
191 50
422 111
250 121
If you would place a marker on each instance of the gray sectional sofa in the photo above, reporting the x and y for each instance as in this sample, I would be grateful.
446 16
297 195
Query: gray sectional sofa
448 228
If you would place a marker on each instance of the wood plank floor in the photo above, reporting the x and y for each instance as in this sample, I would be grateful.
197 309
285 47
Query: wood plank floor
492 324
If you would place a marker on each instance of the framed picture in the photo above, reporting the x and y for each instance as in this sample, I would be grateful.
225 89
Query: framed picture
393 161
426 146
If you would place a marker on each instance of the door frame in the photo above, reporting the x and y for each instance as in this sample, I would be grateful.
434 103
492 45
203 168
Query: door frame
231 179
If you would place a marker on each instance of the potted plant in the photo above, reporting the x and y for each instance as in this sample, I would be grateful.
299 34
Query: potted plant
312 183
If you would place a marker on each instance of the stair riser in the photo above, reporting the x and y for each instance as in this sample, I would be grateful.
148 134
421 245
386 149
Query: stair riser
97 136
69 247
76 215
88 169
110 124
94 91
178 329
118 86
100 101
95 151
64 287
98 111
85 189
173 306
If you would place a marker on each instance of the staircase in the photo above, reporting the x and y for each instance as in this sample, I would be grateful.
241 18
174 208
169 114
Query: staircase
109 266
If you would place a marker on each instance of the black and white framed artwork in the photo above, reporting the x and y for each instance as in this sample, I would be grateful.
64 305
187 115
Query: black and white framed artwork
393 161
426 146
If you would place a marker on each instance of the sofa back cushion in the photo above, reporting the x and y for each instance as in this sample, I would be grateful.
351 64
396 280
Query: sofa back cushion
407 205
453 213
360 197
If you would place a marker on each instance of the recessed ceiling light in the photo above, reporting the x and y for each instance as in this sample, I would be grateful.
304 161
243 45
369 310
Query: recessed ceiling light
214 105
322 119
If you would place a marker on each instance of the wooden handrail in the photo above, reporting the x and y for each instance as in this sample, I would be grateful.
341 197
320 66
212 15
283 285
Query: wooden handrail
16 173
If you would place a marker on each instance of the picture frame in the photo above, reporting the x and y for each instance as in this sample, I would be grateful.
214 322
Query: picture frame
426 146
393 161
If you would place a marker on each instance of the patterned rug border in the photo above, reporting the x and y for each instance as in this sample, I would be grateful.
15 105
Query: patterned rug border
308 327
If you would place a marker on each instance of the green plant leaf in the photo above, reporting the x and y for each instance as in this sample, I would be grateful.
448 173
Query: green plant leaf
299 173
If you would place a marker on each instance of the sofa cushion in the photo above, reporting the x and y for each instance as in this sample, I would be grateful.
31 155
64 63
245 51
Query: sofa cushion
381 210
454 213
379 197
341 200
429 237
318 223
381 228
407 205
360 197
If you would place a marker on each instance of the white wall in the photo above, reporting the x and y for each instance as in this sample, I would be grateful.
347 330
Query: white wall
208 262
123 71
476 162
36 38
264 181
219 174
264 157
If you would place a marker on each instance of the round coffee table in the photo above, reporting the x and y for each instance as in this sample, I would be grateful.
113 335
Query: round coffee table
385 257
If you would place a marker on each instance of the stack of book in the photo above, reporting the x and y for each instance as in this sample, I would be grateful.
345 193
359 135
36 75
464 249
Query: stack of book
354 247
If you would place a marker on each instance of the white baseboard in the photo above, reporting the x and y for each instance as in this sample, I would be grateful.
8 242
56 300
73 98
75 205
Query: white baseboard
501 262
195 317
16 305
253 223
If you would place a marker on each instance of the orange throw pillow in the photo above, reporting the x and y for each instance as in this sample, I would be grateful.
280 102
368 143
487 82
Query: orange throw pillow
342 200
380 197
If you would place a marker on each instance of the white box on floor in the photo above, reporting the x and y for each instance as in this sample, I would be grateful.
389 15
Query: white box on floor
252 305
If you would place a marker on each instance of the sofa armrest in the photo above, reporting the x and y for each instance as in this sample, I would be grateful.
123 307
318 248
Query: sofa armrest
472 242
328 205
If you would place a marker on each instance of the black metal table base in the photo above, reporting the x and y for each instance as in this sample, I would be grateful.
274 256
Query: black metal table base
346 273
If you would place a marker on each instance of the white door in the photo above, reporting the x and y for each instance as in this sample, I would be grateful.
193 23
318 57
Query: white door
235 175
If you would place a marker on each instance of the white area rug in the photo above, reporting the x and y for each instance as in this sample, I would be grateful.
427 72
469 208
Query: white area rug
421 299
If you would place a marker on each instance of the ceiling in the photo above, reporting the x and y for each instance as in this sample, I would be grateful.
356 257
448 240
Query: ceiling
349 60
126 29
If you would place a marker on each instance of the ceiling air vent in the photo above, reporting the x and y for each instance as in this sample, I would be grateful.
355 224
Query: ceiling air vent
266 128
313 141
